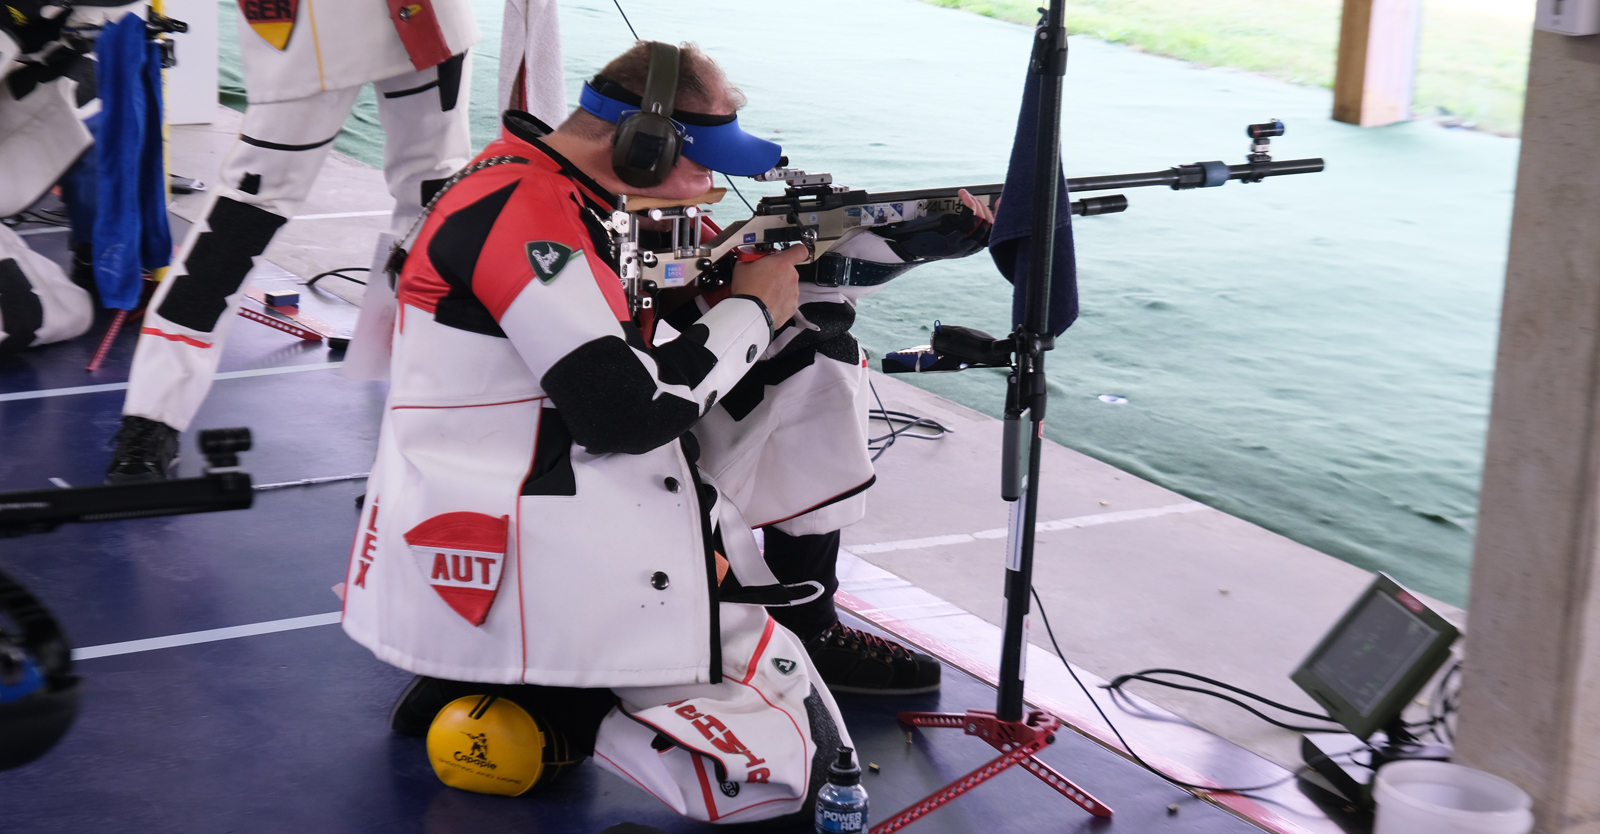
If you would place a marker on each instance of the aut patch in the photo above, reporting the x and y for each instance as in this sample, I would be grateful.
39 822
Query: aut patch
461 555
548 258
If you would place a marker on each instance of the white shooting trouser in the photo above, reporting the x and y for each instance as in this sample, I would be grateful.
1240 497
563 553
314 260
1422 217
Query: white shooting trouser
749 748
801 447
264 179
38 303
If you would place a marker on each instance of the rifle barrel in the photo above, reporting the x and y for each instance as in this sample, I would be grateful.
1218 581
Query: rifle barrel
1171 176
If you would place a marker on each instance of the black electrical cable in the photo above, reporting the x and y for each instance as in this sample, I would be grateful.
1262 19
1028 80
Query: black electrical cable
339 273
1117 686
1117 683
1128 747
625 18
739 193
912 421
38 217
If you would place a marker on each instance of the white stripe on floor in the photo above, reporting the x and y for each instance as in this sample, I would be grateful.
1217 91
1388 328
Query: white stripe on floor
211 636
118 386
338 215
1043 527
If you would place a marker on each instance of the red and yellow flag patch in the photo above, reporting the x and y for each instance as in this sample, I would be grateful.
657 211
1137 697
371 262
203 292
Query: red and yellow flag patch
273 20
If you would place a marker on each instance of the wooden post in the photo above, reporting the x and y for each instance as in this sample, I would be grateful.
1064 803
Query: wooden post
1377 61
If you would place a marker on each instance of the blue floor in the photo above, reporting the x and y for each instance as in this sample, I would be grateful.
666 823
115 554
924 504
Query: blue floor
286 732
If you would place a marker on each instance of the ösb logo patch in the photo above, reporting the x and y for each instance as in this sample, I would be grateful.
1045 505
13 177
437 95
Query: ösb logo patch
784 665
548 258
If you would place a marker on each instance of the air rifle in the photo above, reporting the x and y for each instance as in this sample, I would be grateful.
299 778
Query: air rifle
222 487
815 212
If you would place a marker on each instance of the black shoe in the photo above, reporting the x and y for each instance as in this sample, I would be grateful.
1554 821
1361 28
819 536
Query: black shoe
865 664
146 450
419 703
82 272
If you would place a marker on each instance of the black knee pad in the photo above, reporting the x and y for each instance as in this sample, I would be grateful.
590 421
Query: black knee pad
236 233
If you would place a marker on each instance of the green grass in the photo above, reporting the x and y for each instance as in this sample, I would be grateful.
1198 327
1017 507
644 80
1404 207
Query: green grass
1472 63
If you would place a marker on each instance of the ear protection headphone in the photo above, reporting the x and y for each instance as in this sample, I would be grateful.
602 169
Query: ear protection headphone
38 692
647 144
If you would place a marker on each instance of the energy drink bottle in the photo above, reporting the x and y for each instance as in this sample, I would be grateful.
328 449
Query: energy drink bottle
842 802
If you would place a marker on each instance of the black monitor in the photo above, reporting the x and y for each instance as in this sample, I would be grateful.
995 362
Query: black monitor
1379 655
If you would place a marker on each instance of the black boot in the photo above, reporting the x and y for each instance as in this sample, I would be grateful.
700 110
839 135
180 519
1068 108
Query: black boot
146 450
847 659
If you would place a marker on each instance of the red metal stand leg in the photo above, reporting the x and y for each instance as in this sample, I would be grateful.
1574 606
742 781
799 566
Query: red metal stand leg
105 342
1017 741
918 810
1065 787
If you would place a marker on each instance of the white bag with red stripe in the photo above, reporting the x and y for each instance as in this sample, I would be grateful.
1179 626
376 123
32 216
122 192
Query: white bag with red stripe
753 747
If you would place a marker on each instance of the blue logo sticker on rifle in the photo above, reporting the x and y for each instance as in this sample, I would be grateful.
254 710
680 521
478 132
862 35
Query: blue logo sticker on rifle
674 275
750 237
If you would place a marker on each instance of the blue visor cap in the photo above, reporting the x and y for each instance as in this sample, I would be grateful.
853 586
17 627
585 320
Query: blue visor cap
716 142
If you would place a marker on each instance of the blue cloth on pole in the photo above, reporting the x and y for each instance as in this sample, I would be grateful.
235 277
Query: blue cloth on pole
1013 224
131 234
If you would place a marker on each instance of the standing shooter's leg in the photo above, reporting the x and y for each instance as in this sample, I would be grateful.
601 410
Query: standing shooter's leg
426 133
264 179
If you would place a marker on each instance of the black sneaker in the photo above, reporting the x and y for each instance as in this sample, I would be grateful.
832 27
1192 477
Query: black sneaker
419 703
865 664
146 450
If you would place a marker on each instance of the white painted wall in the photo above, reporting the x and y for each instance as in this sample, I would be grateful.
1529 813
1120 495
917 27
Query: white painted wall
192 84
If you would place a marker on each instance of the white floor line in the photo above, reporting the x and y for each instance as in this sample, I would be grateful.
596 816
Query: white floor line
1043 526
211 636
341 214
119 386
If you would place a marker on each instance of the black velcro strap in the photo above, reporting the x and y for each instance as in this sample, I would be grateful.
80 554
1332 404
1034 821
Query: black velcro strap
275 146
413 91
450 82
236 233
21 311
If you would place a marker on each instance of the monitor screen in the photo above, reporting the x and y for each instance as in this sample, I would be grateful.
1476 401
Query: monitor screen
1376 658
1376 648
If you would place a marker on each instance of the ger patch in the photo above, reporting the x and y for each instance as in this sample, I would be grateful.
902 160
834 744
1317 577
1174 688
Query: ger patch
548 258
273 20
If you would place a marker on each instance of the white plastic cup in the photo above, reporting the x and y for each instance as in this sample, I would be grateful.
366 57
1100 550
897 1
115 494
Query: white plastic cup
1427 797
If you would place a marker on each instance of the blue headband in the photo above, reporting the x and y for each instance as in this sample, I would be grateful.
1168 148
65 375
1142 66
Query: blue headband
724 147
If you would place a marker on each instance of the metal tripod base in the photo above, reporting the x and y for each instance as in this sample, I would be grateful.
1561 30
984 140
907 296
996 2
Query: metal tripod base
1017 741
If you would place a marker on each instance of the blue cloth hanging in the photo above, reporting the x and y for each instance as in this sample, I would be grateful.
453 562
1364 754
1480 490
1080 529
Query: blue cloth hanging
131 234
1013 224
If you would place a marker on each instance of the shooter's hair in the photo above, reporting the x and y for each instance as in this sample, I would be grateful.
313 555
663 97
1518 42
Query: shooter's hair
699 80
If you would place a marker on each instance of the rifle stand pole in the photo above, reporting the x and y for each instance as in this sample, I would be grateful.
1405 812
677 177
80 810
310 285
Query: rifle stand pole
1007 729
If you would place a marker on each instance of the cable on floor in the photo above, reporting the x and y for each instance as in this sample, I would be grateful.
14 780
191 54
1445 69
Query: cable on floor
1117 683
1136 757
340 273
878 445
38 217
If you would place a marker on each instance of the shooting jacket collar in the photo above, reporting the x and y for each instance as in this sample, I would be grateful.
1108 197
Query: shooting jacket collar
527 128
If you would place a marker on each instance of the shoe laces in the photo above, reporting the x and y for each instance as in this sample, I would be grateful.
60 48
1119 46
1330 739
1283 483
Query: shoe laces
855 638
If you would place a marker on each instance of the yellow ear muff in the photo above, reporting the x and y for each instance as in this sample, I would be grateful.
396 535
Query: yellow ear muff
485 744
